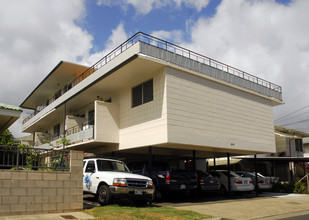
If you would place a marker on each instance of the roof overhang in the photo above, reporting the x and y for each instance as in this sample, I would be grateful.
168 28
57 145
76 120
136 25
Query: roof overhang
8 115
63 73
289 132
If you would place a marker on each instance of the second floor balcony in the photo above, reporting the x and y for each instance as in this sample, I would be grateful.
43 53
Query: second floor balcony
103 128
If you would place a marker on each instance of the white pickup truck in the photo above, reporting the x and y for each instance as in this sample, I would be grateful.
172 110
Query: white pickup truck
111 179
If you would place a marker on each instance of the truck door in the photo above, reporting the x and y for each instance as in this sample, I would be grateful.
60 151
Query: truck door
90 181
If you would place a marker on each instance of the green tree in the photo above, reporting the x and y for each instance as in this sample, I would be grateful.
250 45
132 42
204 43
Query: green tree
6 137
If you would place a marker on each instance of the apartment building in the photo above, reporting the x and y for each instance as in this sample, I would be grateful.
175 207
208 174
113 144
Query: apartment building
149 92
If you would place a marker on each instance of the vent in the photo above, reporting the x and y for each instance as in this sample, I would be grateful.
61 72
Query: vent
142 93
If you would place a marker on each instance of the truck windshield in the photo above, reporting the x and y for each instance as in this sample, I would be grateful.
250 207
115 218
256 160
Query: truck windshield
106 165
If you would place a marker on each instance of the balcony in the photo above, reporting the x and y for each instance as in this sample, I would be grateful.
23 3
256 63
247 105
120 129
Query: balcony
76 134
104 128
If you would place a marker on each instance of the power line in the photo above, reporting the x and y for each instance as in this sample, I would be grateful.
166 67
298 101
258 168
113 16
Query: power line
295 122
292 113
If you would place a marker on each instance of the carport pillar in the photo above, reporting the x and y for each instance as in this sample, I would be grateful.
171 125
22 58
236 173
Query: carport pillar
214 168
150 160
256 177
228 173
194 159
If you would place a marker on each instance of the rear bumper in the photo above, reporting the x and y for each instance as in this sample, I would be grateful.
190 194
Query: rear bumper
265 186
131 193
242 188
210 188
177 187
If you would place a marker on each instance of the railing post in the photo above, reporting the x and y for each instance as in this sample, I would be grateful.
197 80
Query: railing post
17 157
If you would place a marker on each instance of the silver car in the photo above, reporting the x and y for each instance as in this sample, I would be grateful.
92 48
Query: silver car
264 183
237 183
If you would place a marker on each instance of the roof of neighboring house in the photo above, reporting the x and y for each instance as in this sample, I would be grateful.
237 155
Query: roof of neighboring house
10 107
290 132
8 115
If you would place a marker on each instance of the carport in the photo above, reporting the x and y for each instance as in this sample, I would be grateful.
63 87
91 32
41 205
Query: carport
191 158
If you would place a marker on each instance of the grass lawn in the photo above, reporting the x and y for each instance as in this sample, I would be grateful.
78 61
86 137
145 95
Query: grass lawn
149 213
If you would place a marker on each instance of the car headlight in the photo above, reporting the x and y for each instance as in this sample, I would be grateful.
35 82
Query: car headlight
119 182
149 184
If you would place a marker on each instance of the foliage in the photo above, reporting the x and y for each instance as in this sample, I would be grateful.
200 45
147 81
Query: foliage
283 187
300 187
148 213
63 141
293 187
6 137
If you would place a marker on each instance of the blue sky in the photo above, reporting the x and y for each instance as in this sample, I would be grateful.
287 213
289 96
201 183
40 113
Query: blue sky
101 19
267 38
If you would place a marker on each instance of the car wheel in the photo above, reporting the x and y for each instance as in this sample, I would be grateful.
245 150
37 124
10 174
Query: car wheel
103 195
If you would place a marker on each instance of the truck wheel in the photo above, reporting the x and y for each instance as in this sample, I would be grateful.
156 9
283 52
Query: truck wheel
103 195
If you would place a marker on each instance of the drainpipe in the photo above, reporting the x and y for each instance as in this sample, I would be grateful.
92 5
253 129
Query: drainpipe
256 177
64 115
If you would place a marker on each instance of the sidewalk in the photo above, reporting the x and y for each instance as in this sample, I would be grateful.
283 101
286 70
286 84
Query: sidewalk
49 216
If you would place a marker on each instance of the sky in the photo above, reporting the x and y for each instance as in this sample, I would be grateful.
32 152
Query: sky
266 38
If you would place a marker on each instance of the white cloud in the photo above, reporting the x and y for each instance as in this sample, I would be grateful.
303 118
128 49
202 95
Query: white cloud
175 36
36 35
117 37
145 6
262 37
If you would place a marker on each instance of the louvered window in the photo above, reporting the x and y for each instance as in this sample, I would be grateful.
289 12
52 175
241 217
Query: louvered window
142 93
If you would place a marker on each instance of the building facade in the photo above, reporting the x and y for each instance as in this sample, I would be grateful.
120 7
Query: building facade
148 92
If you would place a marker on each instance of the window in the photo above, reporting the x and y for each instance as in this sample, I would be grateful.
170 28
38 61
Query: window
57 130
142 93
299 144
90 167
91 117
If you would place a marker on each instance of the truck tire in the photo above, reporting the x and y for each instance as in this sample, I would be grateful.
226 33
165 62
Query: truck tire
103 195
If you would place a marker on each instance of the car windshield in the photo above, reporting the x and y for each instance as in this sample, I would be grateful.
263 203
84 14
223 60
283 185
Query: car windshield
107 165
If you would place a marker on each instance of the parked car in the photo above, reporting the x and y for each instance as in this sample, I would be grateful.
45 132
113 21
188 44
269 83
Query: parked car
207 182
164 179
111 179
237 183
264 183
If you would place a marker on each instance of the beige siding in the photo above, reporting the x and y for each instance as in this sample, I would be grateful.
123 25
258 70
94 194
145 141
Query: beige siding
205 113
143 125
106 122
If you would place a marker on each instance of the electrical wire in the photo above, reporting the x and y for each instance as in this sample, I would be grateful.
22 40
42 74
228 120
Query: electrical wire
292 113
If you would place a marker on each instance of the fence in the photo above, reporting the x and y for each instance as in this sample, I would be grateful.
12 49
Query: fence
27 158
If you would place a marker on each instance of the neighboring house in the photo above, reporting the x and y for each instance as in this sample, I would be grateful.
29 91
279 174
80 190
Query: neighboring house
8 115
289 142
148 92
26 140
290 161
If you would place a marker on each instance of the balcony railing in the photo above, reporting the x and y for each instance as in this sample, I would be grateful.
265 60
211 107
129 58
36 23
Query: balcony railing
148 39
33 158
78 133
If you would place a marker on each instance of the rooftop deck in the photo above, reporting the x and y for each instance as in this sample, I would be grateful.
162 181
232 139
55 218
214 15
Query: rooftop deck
163 50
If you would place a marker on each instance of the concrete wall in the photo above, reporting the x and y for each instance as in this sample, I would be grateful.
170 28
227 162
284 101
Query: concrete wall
209 114
28 192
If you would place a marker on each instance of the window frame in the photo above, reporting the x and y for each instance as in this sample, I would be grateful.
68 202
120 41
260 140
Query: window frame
142 95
